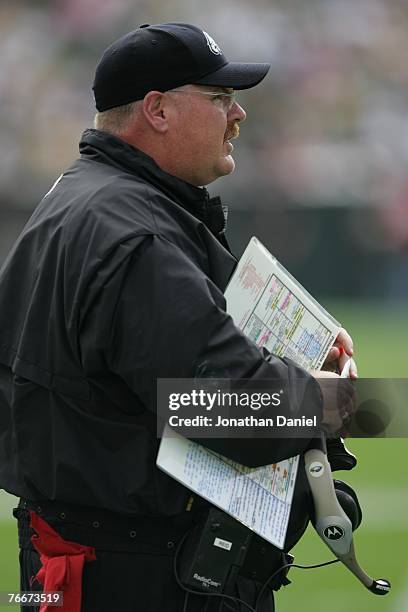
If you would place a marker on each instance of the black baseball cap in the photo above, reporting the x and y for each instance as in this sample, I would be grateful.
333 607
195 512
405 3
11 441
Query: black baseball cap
166 56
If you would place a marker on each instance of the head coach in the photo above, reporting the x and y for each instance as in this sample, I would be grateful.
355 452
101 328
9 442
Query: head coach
117 280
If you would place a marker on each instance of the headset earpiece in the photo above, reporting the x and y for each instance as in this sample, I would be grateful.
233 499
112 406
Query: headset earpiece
348 500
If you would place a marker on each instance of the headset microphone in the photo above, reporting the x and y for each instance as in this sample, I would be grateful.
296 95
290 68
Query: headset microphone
331 522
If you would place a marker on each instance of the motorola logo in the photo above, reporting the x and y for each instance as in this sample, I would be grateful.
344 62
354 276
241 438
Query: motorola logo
333 532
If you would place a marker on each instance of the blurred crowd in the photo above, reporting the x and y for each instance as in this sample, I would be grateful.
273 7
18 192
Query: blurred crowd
327 128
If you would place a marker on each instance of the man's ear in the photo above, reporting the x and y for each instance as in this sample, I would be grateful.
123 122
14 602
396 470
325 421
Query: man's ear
154 110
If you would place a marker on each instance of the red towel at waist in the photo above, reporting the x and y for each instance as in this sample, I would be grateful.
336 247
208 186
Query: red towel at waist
62 564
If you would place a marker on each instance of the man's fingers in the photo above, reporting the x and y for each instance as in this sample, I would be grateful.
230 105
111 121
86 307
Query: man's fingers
338 402
333 354
349 369
349 410
353 369
343 359
344 339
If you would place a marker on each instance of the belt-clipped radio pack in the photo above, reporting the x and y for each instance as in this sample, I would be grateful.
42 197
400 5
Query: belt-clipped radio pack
219 548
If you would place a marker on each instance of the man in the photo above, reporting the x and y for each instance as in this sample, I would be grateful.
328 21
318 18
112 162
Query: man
117 280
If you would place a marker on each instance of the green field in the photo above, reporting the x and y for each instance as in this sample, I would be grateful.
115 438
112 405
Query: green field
381 338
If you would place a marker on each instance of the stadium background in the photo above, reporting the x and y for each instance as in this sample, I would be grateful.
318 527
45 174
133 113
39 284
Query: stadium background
321 179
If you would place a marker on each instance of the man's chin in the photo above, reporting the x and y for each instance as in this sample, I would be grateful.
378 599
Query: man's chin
227 165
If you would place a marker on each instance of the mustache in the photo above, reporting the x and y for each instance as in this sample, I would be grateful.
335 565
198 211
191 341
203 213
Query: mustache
232 132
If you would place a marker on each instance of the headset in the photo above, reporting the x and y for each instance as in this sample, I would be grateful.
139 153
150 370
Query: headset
331 522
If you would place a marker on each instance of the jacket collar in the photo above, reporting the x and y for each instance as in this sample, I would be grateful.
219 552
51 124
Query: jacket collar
106 148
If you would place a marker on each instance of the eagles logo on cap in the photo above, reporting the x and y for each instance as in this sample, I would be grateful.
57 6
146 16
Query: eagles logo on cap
214 48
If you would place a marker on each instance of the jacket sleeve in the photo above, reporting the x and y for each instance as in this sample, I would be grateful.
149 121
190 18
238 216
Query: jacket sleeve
169 321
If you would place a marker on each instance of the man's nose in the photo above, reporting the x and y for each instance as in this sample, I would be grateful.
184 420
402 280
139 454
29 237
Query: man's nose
237 113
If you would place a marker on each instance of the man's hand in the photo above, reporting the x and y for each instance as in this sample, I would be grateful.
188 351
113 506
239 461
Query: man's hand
338 402
339 354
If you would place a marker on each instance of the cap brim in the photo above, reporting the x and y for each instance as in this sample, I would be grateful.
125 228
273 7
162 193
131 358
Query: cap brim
236 75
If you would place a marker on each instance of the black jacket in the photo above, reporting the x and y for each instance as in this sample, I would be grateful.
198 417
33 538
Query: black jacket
116 280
